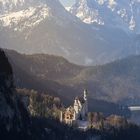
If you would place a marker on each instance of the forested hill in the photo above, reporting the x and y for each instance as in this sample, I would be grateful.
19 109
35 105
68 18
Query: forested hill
117 81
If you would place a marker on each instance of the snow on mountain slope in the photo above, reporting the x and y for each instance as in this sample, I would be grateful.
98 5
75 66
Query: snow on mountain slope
44 26
11 5
7 6
123 14
26 14
21 14
28 18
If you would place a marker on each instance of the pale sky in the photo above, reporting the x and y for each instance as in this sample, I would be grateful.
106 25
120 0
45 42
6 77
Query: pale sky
67 2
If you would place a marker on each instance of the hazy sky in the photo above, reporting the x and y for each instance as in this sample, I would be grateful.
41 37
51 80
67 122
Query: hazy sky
67 2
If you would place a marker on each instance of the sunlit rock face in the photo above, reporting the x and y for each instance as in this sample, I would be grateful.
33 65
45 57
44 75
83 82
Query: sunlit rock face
15 5
123 14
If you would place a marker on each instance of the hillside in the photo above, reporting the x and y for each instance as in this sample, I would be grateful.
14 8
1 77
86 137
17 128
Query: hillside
14 117
120 80
116 82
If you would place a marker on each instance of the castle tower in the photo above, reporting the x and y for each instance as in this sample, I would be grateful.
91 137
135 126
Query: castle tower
61 116
74 116
85 94
77 105
86 102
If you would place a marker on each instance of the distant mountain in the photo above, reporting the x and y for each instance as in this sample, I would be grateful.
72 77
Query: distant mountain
121 14
117 82
14 117
44 26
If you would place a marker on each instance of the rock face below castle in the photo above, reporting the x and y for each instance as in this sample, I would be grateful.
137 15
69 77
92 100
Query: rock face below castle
76 113
14 117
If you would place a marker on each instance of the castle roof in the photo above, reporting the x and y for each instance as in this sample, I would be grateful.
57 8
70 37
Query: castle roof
70 109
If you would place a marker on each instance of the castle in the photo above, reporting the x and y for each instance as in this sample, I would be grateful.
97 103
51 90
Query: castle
79 111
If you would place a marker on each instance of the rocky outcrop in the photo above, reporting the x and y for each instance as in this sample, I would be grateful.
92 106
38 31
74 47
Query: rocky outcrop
13 115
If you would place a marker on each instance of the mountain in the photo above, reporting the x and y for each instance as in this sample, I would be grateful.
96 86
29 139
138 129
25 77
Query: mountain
122 14
14 117
46 27
15 14
116 82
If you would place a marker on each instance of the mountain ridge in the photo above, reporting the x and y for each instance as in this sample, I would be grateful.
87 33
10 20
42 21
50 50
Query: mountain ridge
123 14
49 28
57 78
116 81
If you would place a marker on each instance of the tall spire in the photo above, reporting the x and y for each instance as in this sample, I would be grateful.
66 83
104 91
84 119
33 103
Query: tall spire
85 94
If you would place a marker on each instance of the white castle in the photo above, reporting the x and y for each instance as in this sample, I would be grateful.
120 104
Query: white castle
79 110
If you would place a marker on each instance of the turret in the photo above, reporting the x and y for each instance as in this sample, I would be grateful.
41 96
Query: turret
61 116
85 106
76 105
85 95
